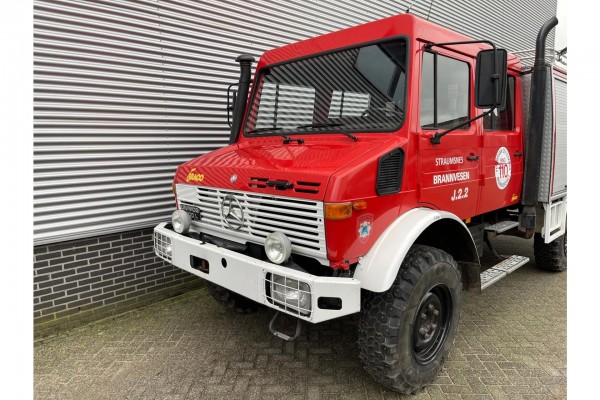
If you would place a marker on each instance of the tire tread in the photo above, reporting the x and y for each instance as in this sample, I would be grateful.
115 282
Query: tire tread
549 256
380 320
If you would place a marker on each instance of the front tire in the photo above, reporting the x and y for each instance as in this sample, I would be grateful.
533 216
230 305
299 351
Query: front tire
405 334
232 300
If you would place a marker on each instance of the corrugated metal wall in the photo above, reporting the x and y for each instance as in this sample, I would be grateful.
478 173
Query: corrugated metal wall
127 90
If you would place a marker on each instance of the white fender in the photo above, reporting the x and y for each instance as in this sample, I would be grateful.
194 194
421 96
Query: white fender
377 270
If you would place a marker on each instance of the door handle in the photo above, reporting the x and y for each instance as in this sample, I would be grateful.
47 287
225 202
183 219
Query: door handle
518 154
473 157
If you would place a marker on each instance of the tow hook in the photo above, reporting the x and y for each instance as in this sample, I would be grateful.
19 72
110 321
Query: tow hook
281 335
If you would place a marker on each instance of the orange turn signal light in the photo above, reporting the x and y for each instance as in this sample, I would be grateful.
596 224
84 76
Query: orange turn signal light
337 211
359 205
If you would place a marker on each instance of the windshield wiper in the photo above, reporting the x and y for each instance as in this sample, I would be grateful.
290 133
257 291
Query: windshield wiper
351 136
328 125
286 138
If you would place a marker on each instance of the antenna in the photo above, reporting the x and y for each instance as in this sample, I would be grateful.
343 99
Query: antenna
429 12
409 7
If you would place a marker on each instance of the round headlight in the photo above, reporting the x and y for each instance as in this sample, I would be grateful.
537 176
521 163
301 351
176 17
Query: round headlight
278 247
181 221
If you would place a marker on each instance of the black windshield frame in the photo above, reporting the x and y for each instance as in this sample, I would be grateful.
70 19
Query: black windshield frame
390 129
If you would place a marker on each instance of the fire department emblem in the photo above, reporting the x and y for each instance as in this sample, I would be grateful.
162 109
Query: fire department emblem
232 212
502 169
364 229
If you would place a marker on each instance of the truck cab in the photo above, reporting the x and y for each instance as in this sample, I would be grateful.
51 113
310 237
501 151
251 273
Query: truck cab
362 175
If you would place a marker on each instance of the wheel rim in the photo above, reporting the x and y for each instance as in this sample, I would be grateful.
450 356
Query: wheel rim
432 323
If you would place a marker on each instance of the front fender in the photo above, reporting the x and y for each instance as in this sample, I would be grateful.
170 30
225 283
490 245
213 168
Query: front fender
377 270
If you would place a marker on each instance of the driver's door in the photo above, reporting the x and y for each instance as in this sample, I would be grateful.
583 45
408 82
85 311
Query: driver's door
449 171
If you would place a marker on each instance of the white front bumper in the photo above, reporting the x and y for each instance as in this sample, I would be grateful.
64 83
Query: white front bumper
246 275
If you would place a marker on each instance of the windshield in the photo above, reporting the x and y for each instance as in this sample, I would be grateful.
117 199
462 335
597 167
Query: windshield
360 89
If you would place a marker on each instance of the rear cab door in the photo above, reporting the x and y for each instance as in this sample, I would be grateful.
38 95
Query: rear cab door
502 152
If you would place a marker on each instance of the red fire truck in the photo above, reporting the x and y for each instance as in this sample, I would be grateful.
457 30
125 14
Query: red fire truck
365 172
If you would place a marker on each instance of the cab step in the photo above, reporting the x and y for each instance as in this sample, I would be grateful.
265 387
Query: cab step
501 226
501 270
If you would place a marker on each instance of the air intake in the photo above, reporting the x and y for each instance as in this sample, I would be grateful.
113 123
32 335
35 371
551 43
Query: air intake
389 173
258 182
307 187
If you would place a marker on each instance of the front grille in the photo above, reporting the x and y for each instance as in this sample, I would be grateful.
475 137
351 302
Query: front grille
300 220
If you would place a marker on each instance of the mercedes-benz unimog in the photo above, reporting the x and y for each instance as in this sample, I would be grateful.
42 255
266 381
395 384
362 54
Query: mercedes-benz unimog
365 171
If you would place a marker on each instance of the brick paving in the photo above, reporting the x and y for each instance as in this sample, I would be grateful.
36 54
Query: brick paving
511 344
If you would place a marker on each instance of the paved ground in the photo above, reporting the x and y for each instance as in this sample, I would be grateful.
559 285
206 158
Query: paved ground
511 344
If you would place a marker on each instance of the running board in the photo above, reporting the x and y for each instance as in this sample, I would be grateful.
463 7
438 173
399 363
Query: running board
502 226
501 270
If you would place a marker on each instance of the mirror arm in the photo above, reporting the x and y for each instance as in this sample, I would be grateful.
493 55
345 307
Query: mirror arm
495 76
436 139
428 46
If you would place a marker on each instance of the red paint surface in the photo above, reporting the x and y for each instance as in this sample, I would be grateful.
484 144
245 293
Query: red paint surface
345 170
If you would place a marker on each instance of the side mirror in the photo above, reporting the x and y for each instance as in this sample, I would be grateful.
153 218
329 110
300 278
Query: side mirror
231 100
490 79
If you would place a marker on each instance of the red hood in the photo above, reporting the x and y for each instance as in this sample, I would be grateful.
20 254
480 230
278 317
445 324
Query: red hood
307 166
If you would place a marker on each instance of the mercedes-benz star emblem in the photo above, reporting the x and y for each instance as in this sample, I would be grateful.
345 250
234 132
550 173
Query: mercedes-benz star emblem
232 212
233 178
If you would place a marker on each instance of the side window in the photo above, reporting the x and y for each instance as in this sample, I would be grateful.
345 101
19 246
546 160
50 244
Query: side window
444 92
503 120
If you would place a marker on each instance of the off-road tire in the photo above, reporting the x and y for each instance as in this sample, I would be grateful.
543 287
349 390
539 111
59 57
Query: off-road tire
232 300
387 340
550 256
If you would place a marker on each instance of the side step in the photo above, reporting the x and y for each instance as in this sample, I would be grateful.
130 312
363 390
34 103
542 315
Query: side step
502 226
501 270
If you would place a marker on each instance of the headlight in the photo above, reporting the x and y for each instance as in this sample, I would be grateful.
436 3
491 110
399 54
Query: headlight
278 247
162 246
181 221
291 293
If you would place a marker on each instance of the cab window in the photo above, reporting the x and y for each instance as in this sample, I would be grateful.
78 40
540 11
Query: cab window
444 92
503 120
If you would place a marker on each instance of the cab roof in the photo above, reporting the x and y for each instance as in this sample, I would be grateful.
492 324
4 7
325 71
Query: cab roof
415 28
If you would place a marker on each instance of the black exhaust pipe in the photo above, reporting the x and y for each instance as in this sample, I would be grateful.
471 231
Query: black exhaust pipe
540 42
533 152
245 61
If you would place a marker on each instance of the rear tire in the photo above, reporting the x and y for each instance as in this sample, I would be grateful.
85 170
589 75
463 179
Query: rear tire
405 334
550 256
232 300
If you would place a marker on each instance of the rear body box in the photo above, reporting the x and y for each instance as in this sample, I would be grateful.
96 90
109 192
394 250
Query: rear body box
552 189
553 165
